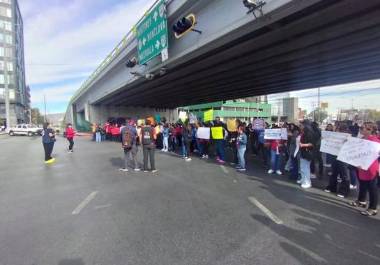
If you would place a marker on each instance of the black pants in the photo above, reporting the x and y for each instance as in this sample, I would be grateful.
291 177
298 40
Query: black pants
370 186
317 158
48 150
71 145
341 169
148 150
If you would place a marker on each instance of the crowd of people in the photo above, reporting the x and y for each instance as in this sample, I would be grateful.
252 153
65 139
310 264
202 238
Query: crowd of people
299 154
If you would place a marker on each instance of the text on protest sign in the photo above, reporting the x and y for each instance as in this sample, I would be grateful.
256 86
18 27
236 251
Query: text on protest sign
276 134
203 133
332 142
359 152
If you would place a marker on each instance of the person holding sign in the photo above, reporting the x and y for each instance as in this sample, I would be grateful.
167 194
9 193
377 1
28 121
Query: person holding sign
241 146
218 134
367 178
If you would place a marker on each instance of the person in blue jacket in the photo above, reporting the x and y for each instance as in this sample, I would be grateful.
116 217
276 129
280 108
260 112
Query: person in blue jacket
241 146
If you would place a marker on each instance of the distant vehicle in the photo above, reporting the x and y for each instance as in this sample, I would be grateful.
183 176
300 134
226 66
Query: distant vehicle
25 129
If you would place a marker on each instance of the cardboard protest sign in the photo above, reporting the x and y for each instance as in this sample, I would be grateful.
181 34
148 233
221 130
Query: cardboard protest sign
217 133
276 134
332 142
258 124
182 116
231 125
359 152
203 133
208 115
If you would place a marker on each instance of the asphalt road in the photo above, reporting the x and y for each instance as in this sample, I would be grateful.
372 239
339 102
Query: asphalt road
83 211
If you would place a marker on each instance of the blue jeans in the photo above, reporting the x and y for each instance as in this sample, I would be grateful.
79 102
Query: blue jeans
98 137
274 160
305 171
240 155
220 149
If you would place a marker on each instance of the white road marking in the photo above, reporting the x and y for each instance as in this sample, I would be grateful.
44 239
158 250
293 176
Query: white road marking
102 206
369 255
265 210
224 169
84 203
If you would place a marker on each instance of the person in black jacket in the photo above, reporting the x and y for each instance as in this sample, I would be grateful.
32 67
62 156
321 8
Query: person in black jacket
48 139
306 153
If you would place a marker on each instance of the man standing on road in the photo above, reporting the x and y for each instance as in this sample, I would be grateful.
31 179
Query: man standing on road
48 139
148 138
129 144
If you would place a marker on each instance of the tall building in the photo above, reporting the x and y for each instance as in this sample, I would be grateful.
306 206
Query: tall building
12 65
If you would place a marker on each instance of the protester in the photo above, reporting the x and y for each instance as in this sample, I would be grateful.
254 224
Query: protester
129 145
98 133
241 146
148 138
294 139
165 134
275 154
367 178
317 155
218 135
340 169
70 133
48 139
186 141
306 153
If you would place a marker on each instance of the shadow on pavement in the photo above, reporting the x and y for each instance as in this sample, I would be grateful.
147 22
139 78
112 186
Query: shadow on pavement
117 162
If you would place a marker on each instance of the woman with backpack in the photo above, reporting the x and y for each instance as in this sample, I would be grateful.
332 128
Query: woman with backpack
48 139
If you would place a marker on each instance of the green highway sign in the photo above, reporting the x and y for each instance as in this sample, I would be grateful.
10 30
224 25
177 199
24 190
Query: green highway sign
152 34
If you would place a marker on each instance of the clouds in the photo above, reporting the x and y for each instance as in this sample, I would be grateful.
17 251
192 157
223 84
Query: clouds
66 40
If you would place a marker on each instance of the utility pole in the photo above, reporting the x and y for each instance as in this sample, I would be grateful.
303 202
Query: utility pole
319 105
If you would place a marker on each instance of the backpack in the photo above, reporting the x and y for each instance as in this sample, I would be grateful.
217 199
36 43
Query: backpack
127 139
147 135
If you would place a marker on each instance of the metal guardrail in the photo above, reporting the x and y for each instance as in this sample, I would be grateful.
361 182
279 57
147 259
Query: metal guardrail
111 56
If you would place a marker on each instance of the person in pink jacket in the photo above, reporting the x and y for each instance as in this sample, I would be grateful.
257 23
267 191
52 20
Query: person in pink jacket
368 178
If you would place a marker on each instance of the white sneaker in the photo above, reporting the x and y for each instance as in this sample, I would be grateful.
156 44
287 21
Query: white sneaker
123 169
299 181
306 186
278 172
137 169
270 171
352 187
154 170
313 176
187 159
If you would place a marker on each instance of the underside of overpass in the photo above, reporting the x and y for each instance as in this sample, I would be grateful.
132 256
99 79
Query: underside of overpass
332 42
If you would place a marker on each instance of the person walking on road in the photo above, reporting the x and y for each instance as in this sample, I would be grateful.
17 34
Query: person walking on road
70 133
165 134
129 144
148 138
98 133
48 139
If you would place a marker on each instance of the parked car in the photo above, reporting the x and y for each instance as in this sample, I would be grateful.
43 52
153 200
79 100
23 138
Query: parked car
25 129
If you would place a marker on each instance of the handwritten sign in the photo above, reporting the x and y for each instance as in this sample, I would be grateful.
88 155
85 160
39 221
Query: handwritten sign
359 152
217 133
258 124
332 142
276 134
231 125
208 115
203 133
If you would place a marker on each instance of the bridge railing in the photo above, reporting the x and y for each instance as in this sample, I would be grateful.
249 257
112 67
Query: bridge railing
114 53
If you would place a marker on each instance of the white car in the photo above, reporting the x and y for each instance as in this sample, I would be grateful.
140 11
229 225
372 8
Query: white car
24 129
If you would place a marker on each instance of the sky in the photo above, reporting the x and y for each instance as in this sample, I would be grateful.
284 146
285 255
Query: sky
62 50
65 41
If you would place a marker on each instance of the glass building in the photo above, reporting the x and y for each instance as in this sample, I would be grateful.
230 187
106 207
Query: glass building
12 65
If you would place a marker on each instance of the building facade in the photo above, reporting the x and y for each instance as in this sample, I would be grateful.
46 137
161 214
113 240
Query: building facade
233 109
12 65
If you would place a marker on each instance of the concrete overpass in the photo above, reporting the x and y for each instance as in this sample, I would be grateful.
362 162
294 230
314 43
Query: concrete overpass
295 45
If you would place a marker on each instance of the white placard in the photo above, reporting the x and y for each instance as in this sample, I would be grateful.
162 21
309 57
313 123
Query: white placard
164 54
359 152
276 134
332 142
203 133
258 124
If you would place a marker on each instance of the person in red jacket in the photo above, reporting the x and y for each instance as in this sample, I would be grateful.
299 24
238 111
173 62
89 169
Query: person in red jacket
368 178
70 133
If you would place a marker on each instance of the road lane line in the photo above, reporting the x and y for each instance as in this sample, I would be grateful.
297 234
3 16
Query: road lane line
265 210
224 169
102 206
84 203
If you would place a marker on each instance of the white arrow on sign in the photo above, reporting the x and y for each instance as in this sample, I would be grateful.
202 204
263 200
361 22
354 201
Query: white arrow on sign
158 44
144 41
